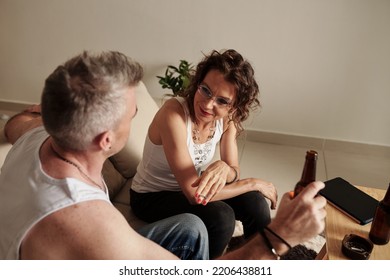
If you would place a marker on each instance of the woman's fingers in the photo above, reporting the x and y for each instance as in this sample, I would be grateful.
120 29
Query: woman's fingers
208 187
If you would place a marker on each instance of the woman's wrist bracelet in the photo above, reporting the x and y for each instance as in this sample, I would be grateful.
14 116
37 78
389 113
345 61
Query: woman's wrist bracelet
235 176
269 245
278 236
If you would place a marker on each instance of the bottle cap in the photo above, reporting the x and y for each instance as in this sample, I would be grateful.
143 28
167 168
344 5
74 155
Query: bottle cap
356 247
312 154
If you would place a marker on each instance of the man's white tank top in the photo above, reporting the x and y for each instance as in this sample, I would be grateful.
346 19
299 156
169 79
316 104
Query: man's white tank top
28 194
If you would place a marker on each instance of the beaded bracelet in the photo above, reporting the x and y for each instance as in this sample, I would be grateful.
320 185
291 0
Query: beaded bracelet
269 245
280 238
235 176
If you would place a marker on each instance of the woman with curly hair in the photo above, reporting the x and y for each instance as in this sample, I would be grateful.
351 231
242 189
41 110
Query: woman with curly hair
176 174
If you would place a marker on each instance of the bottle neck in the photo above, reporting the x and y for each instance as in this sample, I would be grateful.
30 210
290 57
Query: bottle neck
309 169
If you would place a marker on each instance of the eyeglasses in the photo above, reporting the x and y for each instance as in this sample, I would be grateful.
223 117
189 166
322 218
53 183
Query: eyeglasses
206 93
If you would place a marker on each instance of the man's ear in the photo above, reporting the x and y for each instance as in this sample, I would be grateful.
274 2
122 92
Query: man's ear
104 140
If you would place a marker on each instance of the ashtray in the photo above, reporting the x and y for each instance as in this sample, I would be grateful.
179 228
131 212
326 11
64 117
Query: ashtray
356 247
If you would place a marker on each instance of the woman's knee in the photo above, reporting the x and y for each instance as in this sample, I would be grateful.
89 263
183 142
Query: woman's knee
255 201
252 207
221 215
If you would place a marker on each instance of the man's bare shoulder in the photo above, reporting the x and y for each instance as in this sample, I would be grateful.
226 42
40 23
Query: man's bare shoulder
60 234
88 230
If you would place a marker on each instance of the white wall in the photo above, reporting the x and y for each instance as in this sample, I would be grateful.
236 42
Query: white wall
323 66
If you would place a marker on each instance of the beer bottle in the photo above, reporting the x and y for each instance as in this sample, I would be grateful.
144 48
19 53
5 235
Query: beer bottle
308 173
380 227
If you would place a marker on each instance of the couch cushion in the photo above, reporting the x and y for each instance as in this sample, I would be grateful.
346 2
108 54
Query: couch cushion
4 145
113 179
4 149
126 161
123 196
134 222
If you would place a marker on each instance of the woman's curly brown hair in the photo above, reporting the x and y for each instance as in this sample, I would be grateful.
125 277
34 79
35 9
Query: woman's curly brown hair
237 71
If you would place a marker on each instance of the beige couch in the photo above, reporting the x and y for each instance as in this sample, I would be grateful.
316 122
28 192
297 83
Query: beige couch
119 169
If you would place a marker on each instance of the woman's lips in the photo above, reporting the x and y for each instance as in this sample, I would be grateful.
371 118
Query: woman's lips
204 112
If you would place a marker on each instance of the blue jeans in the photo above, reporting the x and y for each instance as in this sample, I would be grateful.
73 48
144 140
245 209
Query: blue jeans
185 235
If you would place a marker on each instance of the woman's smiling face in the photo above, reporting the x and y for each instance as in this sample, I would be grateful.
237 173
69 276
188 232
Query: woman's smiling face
213 98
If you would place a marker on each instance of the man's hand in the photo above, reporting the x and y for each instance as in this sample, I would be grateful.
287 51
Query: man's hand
299 219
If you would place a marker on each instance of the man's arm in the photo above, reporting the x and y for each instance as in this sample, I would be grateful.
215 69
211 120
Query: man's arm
22 122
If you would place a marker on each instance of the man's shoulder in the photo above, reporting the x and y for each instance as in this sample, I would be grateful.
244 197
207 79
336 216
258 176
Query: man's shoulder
81 212
67 231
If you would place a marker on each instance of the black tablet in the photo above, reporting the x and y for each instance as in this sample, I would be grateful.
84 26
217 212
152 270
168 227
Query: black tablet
350 200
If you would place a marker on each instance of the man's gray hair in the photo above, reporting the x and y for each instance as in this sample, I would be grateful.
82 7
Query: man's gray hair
86 96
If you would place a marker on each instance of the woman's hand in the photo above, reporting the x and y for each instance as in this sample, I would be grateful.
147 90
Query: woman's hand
212 180
267 189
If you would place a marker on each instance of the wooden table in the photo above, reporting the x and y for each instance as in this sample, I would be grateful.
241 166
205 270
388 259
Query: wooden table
339 224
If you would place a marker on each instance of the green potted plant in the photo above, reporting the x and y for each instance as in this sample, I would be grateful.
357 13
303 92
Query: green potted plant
177 78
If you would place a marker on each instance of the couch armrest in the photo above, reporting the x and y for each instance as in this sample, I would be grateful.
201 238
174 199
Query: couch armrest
126 161
4 145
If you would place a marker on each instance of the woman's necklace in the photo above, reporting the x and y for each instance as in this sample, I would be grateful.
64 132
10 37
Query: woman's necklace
85 175
202 153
